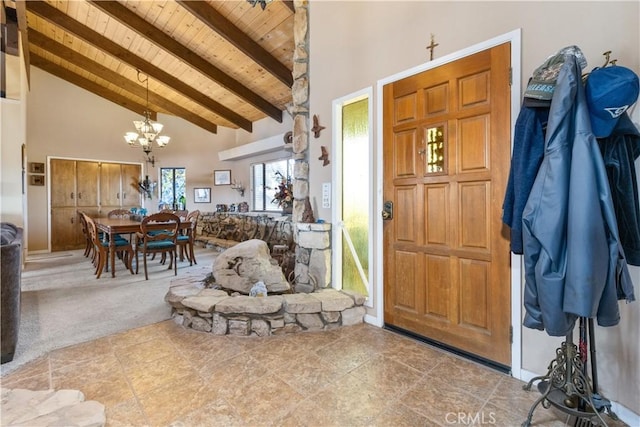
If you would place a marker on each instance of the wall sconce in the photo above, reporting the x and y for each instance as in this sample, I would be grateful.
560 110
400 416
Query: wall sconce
238 187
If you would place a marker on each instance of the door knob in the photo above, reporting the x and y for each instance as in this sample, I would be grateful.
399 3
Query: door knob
387 210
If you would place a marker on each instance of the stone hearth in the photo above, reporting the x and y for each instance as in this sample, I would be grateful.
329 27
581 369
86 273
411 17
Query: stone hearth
196 306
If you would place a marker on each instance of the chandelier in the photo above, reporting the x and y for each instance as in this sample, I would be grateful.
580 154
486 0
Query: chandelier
147 131
262 3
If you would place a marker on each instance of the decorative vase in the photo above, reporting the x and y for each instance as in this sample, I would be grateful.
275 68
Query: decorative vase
287 210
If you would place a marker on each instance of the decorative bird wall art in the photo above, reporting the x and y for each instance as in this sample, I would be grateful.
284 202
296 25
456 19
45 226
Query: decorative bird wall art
325 156
316 126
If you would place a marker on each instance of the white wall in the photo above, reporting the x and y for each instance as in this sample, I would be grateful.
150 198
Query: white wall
13 132
355 44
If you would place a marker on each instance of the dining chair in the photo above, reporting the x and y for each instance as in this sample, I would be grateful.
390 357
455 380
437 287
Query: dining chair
186 241
119 213
182 214
162 241
101 246
88 248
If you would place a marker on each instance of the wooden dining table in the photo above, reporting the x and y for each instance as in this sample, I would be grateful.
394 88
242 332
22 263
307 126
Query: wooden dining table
114 226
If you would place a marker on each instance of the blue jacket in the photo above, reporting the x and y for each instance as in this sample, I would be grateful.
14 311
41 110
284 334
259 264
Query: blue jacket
619 151
528 149
574 263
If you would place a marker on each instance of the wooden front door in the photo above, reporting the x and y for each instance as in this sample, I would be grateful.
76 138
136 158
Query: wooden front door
446 161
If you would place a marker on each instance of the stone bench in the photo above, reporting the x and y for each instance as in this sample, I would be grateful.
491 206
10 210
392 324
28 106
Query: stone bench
212 310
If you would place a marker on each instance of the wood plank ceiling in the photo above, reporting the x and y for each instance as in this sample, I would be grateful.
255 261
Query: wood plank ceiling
211 62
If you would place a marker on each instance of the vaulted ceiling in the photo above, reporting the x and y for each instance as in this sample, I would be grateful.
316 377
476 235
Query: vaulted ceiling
211 62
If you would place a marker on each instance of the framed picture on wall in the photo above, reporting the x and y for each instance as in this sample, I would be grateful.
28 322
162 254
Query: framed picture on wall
222 177
202 195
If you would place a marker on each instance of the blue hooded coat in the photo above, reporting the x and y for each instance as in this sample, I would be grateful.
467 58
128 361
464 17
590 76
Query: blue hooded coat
574 263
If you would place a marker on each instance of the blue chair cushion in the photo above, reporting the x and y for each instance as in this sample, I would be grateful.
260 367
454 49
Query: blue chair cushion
117 242
160 244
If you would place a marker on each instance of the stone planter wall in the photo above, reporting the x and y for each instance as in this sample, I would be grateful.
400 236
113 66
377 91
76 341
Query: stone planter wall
212 310
313 257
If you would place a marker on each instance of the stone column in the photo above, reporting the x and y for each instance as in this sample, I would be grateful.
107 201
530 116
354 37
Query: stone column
299 109
313 257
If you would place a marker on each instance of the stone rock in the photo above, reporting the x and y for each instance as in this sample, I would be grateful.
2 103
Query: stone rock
275 321
50 408
187 318
178 319
200 324
358 299
260 327
331 316
289 318
213 293
203 303
240 326
250 305
353 316
320 267
219 325
302 303
314 239
310 321
333 300
300 91
241 266
177 293
300 27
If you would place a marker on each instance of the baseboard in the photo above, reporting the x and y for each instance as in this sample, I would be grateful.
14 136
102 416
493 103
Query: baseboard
625 414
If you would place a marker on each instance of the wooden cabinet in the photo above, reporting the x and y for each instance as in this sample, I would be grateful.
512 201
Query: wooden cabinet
63 183
89 186
119 186
131 176
87 183
110 185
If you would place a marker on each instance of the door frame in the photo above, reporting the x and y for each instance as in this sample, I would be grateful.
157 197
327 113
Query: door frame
377 318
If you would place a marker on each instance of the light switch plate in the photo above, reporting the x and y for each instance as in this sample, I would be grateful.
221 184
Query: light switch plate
326 194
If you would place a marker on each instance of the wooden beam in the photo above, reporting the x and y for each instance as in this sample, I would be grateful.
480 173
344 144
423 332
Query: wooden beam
93 87
289 4
79 60
160 38
24 34
236 37
55 16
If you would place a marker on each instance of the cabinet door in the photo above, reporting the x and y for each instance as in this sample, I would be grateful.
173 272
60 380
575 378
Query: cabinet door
87 183
63 183
65 229
110 192
130 192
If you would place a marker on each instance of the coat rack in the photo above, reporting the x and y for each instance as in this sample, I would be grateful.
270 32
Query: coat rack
567 387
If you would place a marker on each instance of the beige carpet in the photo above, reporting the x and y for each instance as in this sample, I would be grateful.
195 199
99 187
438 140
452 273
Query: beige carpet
64 304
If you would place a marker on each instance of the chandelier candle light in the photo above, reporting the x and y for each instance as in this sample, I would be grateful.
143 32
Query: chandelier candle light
148 131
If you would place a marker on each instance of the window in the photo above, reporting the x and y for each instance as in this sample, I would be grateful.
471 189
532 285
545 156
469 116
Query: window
265 178
353 231
172 188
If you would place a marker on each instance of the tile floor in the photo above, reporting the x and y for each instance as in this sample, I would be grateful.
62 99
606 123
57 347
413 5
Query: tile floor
165 375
